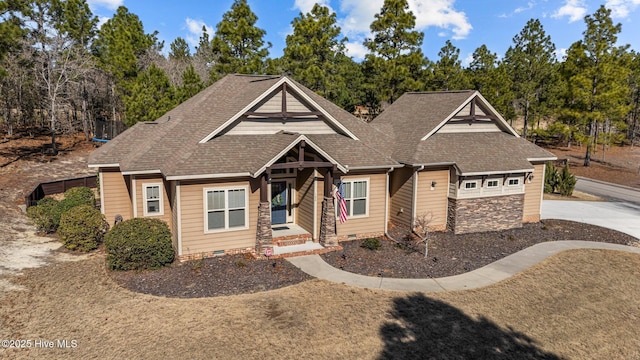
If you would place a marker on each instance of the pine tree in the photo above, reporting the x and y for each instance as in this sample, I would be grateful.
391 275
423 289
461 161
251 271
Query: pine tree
395 61
11 28
238 45
150 97
191 84
119 44
313 52
118 47
490 77
179 50
530 61
447 71
597 73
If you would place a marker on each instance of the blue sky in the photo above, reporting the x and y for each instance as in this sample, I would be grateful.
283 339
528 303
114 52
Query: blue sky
467 23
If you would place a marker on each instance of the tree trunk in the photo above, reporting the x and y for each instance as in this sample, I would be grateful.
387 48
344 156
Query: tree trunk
54 150
526 120
587 155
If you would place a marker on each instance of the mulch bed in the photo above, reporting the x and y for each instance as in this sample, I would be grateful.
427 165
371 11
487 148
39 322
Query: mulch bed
449 254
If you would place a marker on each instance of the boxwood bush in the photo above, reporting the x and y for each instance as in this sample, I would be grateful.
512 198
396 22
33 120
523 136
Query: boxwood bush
47 214
42 215
82 228
139 243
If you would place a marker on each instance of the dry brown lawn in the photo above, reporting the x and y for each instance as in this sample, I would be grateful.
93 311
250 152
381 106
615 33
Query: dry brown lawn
578 304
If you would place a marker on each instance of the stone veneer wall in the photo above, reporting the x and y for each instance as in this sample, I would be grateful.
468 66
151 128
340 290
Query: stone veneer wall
485 214
328 224
264 235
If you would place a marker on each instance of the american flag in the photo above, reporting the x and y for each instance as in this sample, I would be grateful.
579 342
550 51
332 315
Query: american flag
342 203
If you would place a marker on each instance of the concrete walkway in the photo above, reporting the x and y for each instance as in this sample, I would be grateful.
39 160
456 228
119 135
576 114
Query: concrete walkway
487 275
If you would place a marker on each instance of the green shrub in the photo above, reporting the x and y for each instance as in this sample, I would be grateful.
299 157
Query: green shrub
42 215
566 181
371 244
82 228
73 197
551 178
139 243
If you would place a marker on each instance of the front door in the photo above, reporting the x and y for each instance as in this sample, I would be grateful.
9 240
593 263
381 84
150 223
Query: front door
278 202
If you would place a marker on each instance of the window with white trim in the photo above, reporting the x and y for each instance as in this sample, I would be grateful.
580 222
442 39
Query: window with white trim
492 184
226 209
152 197
470 185
514 182
356 195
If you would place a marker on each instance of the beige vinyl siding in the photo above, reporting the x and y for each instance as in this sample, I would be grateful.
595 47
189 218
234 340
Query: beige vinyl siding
458 127
304 212
374 222
432 201
401 192
192 215
116 196
533 195
140 181
271 126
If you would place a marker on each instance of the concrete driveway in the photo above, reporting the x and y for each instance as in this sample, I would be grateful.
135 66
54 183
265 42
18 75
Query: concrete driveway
619 215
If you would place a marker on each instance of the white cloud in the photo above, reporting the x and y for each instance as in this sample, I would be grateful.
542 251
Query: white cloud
574 9
529 6
561 54
194 27
109 4
305 6
467 60
438 13
102 20
356 50
621 8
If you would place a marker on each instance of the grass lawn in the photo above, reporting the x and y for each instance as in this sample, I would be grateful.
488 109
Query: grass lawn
578 304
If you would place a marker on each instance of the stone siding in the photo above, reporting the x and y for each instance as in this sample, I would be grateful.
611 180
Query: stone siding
328 236
485 214
264 234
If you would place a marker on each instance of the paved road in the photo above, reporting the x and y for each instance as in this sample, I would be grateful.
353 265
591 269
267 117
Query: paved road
608 190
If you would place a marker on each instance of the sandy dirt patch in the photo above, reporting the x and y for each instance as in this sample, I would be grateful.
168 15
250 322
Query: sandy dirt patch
20 246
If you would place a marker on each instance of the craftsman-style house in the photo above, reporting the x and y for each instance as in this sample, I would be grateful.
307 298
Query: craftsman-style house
252 163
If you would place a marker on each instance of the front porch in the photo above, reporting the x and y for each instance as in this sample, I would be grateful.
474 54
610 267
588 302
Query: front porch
293 210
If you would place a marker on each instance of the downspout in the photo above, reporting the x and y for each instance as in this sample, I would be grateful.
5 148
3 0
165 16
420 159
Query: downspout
386 202
414 203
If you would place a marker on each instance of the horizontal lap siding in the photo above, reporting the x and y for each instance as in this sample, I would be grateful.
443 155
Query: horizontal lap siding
194 239
401 185
375 221
141 180
533 195
305 199
116 198
433 203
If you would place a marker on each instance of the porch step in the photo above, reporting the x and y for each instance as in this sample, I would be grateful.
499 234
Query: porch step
290 240
306 248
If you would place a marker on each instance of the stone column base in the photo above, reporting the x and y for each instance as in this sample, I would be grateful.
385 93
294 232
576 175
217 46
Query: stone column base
264 235
328 237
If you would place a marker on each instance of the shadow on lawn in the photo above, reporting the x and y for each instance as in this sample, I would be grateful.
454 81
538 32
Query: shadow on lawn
424 328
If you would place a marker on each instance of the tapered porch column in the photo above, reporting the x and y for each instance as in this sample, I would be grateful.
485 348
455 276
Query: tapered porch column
328 235
264 235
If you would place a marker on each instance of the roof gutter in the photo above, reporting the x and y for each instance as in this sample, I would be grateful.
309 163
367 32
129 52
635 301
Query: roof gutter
104 165
207 176
141 172
478 173
373 167
543 159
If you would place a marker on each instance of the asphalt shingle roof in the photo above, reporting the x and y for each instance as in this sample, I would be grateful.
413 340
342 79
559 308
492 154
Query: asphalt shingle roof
414 115
172 145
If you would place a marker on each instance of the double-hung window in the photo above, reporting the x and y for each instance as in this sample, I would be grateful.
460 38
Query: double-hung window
153 199
356 195
226 209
